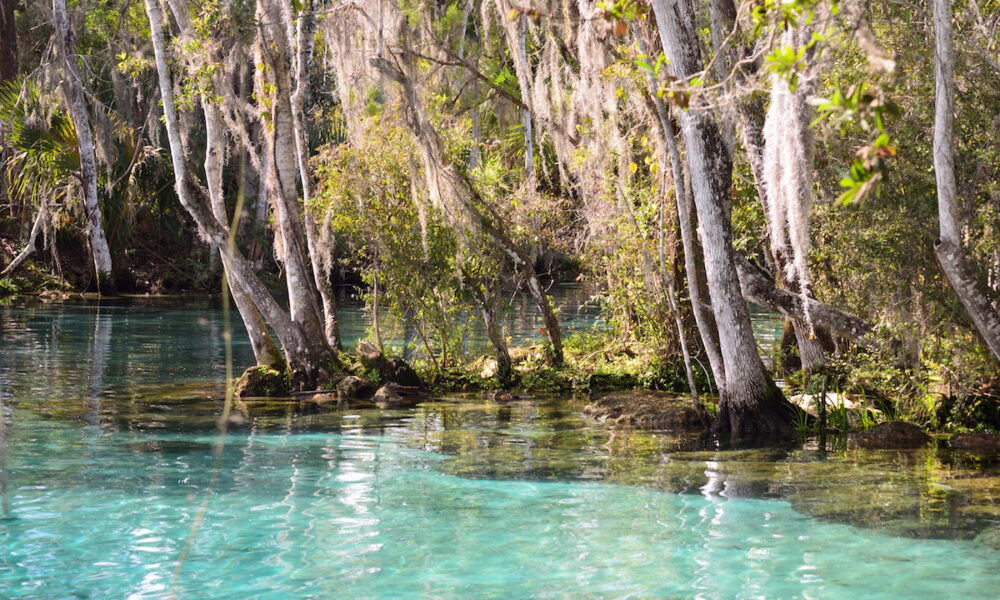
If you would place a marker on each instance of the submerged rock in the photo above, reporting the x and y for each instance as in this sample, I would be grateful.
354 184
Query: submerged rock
261 382
977 442
894 434
392 395
353 387
989 537
645 409
387 395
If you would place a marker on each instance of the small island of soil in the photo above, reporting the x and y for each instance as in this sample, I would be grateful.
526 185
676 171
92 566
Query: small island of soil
645 409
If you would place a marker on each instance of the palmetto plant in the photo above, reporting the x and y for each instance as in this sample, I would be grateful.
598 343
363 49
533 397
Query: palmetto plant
42 154
41 167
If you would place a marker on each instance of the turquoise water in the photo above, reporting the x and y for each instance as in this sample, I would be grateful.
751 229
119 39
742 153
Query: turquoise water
110 454
356 515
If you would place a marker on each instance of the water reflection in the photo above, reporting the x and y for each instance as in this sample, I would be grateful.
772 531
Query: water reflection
455 498
116 368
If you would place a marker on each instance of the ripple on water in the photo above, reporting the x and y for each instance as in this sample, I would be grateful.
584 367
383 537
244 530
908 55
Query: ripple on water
456 498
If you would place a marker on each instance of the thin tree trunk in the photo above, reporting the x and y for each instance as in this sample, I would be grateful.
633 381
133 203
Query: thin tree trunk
303 29
8 72
277 34
8 42
298 276
750 402
487 308
702 313
264 349
760 290
529 141
29 247
73 88
672 296
948 246
473 111
375 319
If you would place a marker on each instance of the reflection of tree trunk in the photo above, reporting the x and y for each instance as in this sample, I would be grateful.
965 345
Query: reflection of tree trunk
948 246
4 497
98 365
73 88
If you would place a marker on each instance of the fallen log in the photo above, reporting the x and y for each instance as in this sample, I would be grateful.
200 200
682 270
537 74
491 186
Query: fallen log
757 288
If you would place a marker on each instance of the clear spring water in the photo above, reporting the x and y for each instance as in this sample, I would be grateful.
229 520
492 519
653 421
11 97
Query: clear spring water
108 455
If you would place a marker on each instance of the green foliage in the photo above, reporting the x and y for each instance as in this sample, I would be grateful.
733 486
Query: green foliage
374 102
865 107
782 13
787 61
380 221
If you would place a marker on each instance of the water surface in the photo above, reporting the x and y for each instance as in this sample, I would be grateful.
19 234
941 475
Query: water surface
110 438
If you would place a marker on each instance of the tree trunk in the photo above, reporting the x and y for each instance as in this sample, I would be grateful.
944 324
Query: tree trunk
307 360
274 42
702 312
303 29
8 72
487 306
73 89
529 141
473 110
294 251
758 289
750 403
29 247
8 42
265 351
752 112
948 246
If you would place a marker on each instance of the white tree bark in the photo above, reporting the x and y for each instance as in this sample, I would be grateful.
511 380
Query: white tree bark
304 356
73 89
29 247
303 38
529 139
750 402
702 312
276 28
948 247
264 349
